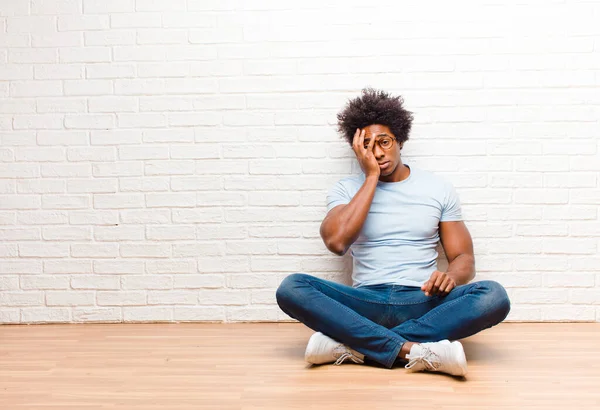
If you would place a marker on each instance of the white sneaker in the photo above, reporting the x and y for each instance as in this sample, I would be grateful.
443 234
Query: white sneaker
441 356
322 349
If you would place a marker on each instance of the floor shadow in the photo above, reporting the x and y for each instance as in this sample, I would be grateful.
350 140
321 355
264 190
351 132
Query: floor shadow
483 352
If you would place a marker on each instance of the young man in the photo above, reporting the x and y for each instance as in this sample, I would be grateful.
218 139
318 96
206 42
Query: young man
391 217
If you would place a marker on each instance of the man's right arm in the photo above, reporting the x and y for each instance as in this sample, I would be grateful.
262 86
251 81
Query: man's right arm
343 224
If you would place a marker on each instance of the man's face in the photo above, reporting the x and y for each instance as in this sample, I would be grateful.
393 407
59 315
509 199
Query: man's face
386 148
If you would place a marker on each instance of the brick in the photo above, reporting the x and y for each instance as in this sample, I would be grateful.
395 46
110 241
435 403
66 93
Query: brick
92 185
539 296
66 233
204 281
171 233
19 201
67 267
172 297
100 315
8 187
569 279
43 250
96 282
145 251
224 297
225 264
36 186
38 122
65 170
12 316
20 267
61 39
118 201
118 169
119 233
199 313
108 6
148 314
121 298
65 201
45 315
171 200
144 184
566 313
95 250
90 121
19 170
142 282
171 266
36 88
14 72
62 105
195 183
31 24
19 234
143 216
168 135
43 282
203 151
110 70
221 199
162 36
9 283
249 314
30 298
83 22
119 267
174 167
8 251
84 55
116 137
251 247
69 298
191 250
111 37
56 7
221 167
138 120
89 87
63 137
17 138
95 217
207 215
139 53
135 20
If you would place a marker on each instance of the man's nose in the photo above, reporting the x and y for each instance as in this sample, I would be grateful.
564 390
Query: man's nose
377 151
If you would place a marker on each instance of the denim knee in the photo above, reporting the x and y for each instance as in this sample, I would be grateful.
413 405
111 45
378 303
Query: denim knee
496 300
287 292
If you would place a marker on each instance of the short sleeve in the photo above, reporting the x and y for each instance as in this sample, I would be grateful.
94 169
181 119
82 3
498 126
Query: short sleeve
338 195
451 209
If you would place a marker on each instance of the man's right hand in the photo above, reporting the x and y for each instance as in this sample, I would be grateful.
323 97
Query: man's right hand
365 156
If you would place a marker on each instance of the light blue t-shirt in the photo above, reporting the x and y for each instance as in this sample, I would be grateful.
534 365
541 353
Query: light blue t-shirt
397 243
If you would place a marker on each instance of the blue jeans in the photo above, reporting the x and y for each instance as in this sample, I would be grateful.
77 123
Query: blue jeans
377 320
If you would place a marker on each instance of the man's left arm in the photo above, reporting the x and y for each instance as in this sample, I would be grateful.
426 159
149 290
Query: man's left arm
458 247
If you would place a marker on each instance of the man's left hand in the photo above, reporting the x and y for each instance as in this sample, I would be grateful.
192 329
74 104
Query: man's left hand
440 283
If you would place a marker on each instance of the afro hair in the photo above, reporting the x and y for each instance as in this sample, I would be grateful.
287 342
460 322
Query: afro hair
375 107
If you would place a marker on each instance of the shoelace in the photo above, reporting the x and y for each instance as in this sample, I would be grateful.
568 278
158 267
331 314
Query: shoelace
345 354
429 359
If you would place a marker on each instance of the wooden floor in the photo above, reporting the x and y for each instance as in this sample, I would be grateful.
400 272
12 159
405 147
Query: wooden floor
260 366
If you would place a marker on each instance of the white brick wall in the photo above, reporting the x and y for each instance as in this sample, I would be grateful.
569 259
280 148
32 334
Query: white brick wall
167 160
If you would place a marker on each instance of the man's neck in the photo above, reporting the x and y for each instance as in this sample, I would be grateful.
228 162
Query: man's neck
400 174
